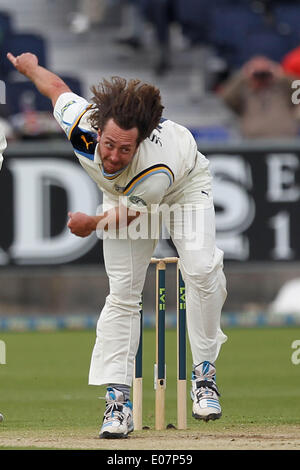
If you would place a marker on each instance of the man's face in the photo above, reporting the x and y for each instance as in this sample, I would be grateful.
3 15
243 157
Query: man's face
116 146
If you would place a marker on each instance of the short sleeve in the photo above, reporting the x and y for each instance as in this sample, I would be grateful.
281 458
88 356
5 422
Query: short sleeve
148 194
68 110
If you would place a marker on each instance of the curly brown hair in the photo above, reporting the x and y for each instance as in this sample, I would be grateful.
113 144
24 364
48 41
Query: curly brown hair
129 103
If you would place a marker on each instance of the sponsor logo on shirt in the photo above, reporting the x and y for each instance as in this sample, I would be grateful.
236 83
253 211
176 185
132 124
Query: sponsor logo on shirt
66 106
138 201
118 188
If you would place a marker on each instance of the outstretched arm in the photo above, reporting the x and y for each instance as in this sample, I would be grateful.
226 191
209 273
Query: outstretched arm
46 82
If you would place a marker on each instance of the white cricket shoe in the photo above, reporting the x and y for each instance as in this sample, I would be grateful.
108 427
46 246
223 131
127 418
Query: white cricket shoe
117 420
204 393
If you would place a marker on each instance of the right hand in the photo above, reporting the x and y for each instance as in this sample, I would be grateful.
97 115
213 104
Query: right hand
80 224
24 63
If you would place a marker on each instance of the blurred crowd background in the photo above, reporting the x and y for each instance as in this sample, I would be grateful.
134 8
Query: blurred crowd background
229 70
225 67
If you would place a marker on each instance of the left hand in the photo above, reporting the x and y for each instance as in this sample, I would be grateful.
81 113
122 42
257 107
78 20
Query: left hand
80 224
25 63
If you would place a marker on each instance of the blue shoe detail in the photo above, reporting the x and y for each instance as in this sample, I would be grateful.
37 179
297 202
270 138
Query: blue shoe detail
205 367
111 394
128 404
204 392
117 420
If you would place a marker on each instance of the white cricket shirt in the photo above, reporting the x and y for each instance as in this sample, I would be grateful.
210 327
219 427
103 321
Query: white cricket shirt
159 167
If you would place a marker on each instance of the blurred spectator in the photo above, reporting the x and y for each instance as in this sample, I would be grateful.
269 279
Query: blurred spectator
133 21
87 13
261 95
161 14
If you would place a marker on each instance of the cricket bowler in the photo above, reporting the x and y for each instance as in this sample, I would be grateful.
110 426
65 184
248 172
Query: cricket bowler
141 161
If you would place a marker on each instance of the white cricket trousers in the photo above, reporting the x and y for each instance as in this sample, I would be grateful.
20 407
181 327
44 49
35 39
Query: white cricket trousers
126 263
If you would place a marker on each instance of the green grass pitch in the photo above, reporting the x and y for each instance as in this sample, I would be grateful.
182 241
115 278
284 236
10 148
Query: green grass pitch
43 384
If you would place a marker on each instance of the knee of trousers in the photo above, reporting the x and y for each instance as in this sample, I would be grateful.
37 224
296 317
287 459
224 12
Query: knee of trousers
203 274
206 280
127 304
117 311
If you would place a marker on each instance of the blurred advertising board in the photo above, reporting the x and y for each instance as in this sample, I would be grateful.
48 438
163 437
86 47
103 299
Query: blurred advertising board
256 189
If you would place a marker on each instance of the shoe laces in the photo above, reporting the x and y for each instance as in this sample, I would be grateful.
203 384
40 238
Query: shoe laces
206 388
114 411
